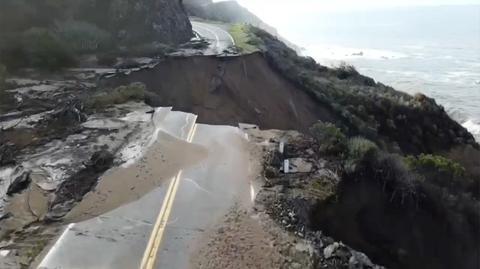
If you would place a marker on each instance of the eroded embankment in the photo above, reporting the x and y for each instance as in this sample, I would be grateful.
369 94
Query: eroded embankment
369 216
228 91
399 218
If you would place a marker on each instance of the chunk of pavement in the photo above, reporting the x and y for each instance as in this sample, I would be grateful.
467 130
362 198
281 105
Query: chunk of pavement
330 250
300 165
20 182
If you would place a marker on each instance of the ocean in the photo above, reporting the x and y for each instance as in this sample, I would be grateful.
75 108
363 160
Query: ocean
432 50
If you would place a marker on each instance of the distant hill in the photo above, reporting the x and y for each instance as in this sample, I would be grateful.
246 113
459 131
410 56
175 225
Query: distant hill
231 12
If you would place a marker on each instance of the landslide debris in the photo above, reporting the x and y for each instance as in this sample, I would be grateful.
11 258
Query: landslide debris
399 211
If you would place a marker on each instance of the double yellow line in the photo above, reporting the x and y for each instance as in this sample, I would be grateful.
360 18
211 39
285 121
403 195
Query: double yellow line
150 255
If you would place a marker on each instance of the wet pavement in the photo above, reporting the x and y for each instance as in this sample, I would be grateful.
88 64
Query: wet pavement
206 190
218 37
206 193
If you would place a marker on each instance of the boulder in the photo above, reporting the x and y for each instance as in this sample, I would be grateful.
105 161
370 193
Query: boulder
7 154
21 180
101 160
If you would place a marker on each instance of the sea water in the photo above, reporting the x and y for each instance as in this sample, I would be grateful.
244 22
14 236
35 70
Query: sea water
432 50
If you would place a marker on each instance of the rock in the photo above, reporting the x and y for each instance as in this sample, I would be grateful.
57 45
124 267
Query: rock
20 182
299 165
72 112
153 99
295 265
7 154
101 160
359 260
271 172
6 216
329 251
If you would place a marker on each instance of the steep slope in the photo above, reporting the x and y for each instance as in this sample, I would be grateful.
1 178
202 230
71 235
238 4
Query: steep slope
229 91
127 21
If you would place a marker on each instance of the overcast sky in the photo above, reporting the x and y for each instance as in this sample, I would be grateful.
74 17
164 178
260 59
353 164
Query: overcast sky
275 11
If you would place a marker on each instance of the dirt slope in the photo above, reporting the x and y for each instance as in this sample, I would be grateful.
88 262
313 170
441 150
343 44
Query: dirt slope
229 91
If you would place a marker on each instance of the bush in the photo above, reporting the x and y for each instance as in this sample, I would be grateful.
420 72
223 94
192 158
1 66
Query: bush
45 51
393 171
345 71
120 95
435 162
83 37
330 138
360 148
245 39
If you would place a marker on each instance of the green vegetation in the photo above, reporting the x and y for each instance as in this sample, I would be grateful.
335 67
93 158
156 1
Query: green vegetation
323 188
245 40
360 148
84 37
345 71
120 95
45 51
435 162
36 47
330 138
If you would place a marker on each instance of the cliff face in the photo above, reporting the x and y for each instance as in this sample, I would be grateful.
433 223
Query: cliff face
127 21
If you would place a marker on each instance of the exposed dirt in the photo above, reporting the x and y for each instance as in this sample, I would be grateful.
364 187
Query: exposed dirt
229 91
437 228
124 185
239 243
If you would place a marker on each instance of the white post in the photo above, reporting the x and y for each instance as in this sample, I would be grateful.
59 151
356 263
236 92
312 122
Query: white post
286 166
281 147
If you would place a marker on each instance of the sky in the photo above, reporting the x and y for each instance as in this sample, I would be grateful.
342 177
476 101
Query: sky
274 12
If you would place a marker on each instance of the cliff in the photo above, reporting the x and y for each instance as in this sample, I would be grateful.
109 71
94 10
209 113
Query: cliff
153 20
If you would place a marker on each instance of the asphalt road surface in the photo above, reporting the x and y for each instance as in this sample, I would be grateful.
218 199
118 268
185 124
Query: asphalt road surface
161 229
220 40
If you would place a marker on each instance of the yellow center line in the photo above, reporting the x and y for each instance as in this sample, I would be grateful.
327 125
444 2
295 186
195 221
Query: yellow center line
151 251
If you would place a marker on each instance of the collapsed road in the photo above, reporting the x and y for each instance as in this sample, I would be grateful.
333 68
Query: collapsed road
194 198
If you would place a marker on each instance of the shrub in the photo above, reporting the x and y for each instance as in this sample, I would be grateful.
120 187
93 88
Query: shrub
345 71
330 138
393 171
83 37
45 51
120 95
245 39
360 148
435 162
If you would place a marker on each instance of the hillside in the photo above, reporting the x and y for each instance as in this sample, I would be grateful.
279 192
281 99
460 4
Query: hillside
338 163
231 12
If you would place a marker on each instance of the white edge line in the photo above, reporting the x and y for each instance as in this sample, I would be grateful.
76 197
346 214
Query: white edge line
55 246
212 32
